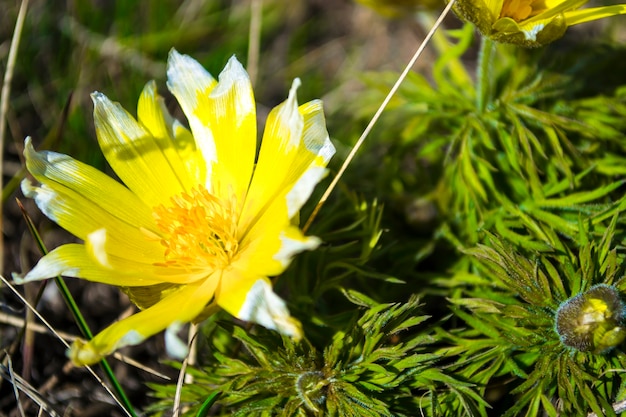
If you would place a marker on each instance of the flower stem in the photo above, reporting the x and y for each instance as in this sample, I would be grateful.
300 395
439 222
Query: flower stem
484 73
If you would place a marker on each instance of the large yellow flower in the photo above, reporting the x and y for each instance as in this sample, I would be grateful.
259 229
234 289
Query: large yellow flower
201 220
530 22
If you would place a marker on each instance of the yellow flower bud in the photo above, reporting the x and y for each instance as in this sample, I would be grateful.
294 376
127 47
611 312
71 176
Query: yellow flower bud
593 320
529 23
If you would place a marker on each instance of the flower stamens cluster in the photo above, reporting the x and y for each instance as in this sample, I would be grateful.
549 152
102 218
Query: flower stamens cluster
519 10
198 231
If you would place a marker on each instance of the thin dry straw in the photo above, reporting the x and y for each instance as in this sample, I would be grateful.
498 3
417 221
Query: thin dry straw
21 385
15 390
40 317
183 375
4 101
376 116
37 328
254 39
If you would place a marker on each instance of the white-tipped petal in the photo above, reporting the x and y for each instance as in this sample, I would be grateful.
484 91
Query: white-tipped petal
291 116
230 113
303 188
73 260
182 305
191 84
133 153
56 263
292 245
264 307
315 135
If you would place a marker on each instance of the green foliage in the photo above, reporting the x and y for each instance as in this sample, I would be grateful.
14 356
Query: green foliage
510 186
494 196
378 364
511 327
524 167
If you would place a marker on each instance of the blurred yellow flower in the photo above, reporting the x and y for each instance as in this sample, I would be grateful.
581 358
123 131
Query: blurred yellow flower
202 220
399 8
530 23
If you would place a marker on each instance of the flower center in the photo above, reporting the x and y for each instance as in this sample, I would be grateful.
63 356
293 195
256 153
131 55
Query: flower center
198 231
519 10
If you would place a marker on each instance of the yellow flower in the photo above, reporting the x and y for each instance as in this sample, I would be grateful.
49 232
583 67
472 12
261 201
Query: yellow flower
201 221
530 23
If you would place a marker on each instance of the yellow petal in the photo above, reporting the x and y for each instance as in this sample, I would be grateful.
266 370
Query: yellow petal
270 245
133 153
295 141
191 84
180 306
557 7
494 6
72 260
62 172
230 114
82 217
587 15
104 251
174 141
310 166
293 241
252 299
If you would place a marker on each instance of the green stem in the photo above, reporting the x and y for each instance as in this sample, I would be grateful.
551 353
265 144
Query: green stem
80 321
484 73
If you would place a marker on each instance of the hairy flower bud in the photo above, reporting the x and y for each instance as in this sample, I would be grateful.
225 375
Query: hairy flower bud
529 23
592 321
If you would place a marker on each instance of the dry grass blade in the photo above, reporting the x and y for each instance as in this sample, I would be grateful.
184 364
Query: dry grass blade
37 328
4 99
55 333
254 39
19 384
182 375
12 379
138 365
376 116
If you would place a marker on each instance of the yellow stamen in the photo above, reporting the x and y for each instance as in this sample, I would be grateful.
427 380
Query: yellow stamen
198 231
519 10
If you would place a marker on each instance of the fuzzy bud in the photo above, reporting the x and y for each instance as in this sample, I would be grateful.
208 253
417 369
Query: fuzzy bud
592 321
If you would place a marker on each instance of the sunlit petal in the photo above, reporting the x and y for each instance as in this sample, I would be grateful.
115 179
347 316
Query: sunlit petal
252 299
174 141
230 112
73 260
595 13
295 141
180 306
133 153
95 188
191 85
